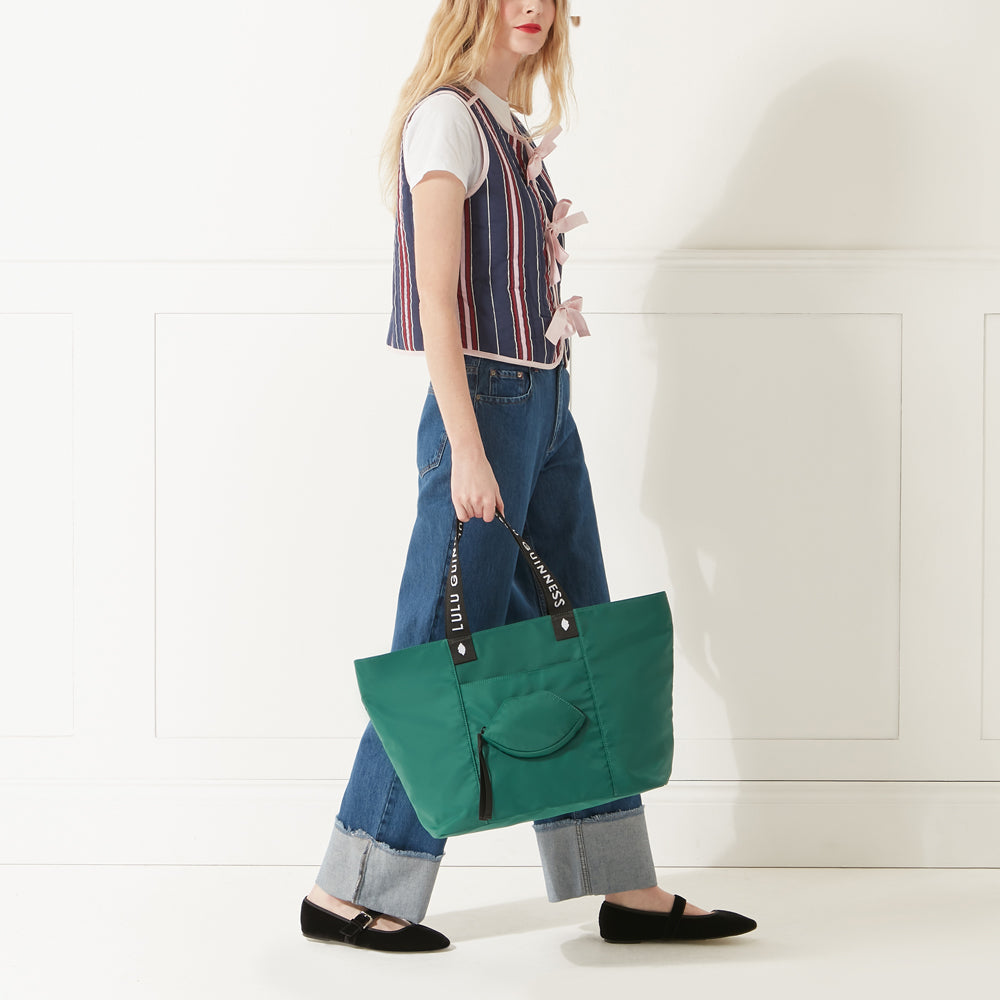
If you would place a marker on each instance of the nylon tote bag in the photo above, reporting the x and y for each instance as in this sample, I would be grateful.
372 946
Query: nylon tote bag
529 720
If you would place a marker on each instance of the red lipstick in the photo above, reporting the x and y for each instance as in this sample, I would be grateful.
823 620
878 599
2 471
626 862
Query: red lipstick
533 28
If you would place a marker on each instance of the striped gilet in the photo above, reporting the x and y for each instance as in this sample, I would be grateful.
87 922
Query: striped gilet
513 248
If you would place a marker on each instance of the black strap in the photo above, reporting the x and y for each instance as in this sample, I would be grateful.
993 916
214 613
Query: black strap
360 922
557 605
485 782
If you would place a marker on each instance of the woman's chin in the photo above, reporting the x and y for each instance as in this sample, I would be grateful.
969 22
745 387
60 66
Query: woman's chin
526 45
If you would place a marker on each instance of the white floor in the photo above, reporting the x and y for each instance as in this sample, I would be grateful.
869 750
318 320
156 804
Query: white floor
191 932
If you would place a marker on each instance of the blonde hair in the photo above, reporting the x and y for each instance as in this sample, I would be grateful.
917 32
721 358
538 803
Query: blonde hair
459 39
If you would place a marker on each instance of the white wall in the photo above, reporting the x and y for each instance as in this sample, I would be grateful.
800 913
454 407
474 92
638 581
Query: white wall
790 403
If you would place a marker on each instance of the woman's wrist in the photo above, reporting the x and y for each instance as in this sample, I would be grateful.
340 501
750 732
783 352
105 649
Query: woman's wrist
467 448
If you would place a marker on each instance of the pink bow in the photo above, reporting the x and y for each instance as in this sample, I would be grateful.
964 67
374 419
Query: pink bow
541 151
567 320
562 222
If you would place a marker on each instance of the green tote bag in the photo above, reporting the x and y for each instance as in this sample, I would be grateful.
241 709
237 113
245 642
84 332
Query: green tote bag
529 720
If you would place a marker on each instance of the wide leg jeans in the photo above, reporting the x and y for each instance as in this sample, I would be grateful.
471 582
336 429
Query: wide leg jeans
379 855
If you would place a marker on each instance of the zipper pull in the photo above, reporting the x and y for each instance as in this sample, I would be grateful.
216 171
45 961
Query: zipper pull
485 785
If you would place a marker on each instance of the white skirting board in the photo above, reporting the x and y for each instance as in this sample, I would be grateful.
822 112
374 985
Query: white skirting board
878 824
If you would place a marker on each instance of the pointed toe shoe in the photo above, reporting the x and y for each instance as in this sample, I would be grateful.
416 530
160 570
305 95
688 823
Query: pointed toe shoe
624 925
321 924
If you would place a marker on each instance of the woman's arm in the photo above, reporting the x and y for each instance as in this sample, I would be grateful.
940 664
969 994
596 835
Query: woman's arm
438 202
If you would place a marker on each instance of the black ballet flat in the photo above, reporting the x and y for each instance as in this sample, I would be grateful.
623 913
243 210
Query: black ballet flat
320 924
623 925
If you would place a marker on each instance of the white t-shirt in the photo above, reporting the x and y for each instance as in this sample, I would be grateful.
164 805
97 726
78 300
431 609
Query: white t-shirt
442 135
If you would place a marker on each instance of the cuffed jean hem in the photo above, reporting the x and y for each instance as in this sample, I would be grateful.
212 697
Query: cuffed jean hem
363 871
596 855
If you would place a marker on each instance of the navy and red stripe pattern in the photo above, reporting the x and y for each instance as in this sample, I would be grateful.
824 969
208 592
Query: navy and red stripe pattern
507 287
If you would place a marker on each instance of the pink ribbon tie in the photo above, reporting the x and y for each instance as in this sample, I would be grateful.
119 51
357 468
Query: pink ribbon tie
562 222
567 320
541 151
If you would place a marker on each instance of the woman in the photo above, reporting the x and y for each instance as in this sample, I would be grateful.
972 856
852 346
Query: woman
477 215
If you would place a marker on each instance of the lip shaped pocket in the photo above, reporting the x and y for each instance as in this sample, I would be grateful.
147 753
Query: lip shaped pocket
533 725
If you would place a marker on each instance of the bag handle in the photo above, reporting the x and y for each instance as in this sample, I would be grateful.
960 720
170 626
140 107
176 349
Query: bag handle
557 604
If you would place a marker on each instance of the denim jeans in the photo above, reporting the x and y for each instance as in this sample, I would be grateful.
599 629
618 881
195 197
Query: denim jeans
379 854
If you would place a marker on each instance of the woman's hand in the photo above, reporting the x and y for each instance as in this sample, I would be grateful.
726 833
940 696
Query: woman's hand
474 489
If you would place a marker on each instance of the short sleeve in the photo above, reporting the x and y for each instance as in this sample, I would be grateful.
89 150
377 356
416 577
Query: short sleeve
442 135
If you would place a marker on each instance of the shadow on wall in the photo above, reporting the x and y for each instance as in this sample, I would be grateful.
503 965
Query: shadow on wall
750 532
826 168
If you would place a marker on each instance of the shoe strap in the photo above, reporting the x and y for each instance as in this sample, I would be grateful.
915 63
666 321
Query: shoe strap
677 909
360 922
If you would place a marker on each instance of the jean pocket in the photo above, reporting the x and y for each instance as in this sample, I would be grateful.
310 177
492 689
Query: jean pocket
432 438
507 385
429 459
